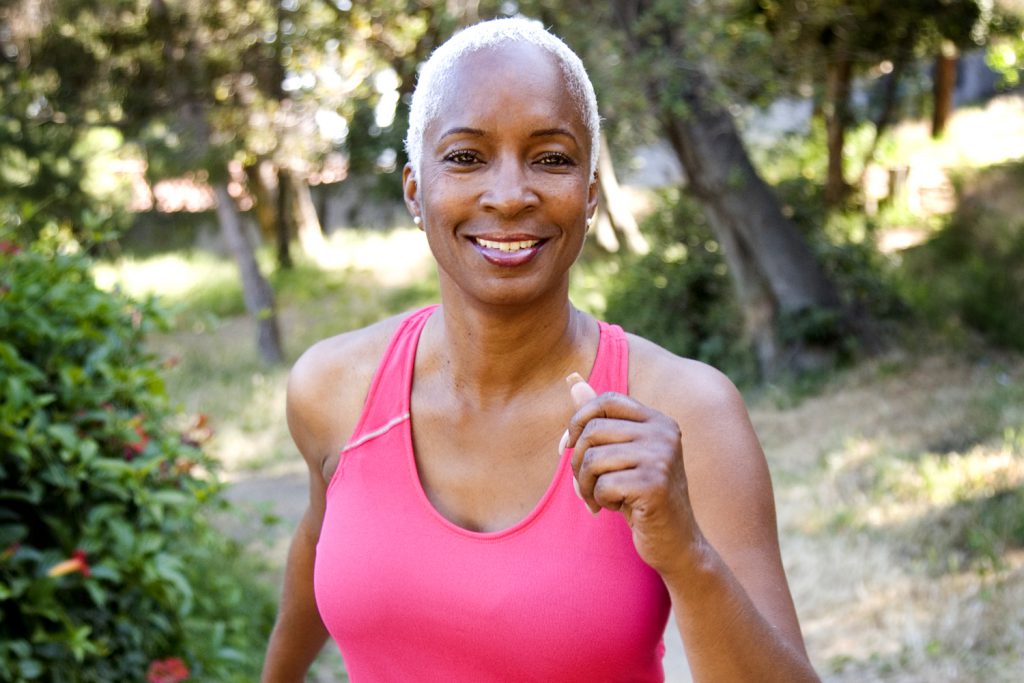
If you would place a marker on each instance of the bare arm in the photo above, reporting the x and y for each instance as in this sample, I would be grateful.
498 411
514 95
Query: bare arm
732 601
298 634
326 390
705 522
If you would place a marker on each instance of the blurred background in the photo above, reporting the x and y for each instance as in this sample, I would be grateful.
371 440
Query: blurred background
823 199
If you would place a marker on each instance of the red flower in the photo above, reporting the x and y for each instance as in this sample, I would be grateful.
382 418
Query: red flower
134 448
9 248
170 670
76 563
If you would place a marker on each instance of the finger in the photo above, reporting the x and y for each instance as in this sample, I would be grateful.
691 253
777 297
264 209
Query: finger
600 461
607 405
618 490
579 389
601 431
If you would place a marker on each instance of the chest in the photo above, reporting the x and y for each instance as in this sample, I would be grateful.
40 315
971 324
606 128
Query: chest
486 470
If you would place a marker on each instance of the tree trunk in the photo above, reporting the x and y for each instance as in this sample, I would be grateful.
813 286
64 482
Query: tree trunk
945 84
837 96
259 298
284 226
775 272
890 91
615 215
266 189
303 213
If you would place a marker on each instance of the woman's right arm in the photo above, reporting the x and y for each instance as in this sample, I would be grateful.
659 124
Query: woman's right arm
299 633
326 390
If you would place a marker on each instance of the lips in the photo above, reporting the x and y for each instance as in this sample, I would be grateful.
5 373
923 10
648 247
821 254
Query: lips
511 251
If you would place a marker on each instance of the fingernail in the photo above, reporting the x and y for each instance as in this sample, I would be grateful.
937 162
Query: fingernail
576 488
564 443
574 378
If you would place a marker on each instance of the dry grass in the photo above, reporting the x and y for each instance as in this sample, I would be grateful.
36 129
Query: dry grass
880 481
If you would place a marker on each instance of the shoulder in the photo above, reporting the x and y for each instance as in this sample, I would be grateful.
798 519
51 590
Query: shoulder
328 384
681 387
721 450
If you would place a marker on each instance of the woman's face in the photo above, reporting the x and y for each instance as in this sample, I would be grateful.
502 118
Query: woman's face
504 185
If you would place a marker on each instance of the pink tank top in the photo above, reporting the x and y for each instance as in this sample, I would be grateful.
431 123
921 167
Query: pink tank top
410 596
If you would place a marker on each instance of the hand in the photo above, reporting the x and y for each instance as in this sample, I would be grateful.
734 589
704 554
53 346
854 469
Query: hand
629 458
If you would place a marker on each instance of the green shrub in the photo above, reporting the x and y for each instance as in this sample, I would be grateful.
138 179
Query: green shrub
108 565
680 294
972 272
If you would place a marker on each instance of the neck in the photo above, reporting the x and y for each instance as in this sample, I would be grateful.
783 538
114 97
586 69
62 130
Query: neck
491 353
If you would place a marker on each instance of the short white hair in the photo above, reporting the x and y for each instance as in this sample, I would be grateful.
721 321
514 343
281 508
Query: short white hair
437 73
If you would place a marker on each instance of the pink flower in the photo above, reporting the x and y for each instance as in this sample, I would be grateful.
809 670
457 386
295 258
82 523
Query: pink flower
170 670
76 563
9 248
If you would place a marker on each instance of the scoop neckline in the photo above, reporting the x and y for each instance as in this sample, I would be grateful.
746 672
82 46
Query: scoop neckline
417 484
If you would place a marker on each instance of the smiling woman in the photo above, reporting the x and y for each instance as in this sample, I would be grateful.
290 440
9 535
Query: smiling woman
451 534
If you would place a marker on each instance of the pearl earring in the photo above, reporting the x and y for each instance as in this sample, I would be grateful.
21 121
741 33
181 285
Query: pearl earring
590 220
417 220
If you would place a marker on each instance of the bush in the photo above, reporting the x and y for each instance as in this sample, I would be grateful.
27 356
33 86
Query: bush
680 294
972 272
108 567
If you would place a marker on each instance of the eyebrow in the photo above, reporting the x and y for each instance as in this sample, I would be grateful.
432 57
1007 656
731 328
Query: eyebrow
549 132
462 130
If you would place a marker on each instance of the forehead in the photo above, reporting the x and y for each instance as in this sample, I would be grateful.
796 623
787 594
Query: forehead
514 83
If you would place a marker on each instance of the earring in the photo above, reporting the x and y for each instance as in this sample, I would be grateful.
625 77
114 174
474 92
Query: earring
417 221
590 221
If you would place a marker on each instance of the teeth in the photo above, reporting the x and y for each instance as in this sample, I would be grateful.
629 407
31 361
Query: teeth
507 246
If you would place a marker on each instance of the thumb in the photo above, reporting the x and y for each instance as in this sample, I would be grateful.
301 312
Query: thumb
580 390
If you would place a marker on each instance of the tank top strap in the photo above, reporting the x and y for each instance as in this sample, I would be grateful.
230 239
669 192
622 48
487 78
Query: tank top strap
611 367
387 401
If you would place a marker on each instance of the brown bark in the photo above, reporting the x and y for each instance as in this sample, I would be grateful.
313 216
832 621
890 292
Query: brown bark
942 91
265 188
259 298
775 272
837 96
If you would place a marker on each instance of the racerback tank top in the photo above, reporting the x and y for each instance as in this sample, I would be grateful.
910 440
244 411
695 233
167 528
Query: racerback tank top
560 596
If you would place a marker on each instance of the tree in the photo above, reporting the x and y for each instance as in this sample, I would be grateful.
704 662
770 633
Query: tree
663 56
157 73
827 44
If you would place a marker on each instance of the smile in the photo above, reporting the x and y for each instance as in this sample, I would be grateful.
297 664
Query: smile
507 247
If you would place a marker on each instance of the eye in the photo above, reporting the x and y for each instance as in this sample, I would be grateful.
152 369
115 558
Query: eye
556 159
462 157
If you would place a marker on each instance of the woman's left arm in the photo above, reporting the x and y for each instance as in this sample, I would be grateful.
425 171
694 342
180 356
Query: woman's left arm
705 522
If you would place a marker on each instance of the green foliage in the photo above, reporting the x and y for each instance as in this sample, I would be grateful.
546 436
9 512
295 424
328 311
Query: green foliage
680 295
972 272
107 562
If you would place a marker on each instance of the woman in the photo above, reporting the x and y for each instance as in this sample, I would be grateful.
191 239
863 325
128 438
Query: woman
444 539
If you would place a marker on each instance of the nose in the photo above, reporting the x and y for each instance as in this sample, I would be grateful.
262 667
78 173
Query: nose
509 191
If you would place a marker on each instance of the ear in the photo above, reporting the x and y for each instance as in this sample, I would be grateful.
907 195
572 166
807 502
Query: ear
410 190
593 192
